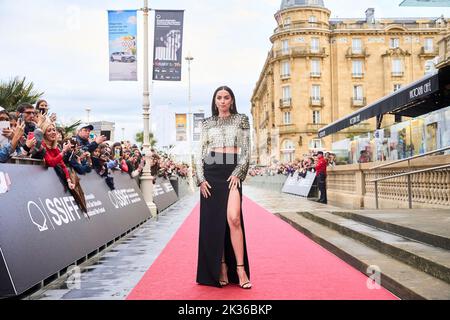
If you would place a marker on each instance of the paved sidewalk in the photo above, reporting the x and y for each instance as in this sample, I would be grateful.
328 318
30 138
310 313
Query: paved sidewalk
114 273
275 201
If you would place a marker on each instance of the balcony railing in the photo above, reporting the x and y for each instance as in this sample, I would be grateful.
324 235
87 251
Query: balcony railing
380 26
285 103
316 102
301 25
285 76
300 51
359 102
314 127
316 74
357 74
356 53
428 52
288 129
398 73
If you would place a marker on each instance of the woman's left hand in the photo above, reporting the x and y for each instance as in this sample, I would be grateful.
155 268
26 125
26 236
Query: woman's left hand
234 182
71 185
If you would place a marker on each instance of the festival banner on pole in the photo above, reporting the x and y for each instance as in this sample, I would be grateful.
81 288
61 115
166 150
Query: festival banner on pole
168 44
198 118
122 45
181 126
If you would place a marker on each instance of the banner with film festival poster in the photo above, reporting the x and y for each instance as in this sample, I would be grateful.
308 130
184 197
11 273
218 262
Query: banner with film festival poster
181 126
168 44
122 45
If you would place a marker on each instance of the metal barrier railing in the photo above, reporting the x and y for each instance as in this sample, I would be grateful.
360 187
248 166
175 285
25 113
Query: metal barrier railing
407 174
25 160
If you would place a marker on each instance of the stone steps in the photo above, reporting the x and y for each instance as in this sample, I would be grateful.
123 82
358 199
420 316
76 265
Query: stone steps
427 258
402 279
418 235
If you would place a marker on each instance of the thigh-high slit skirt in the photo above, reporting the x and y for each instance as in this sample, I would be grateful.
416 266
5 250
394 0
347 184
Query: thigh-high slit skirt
214 235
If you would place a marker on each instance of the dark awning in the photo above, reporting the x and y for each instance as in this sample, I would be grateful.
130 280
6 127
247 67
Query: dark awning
421 97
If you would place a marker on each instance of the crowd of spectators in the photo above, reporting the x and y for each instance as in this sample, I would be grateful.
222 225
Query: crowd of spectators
302 166
32 132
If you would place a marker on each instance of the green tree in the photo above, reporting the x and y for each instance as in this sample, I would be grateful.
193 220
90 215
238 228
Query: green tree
16 91
140 138
69 130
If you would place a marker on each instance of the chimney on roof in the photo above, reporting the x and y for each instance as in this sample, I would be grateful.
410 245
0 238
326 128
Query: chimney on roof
370 15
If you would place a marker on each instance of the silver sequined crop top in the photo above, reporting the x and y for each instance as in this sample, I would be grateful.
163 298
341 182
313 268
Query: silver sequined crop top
232 131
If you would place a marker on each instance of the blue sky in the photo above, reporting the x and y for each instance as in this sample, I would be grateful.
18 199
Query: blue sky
62 46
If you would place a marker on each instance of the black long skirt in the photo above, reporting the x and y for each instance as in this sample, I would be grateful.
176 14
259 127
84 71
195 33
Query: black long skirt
214 236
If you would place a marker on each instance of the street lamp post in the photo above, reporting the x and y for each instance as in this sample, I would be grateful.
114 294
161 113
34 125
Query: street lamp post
88 110
189 59
146 178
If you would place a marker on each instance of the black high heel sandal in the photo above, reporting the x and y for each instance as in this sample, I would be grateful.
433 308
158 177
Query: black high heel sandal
243 286
223 283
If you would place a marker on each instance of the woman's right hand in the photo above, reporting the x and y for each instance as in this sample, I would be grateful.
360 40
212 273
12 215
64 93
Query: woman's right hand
204 189
66 147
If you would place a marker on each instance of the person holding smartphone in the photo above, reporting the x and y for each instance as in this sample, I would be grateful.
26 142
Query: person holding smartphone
118 157
42 107
26 113
53 156
5 132
42 111
8 149
76 158
83 134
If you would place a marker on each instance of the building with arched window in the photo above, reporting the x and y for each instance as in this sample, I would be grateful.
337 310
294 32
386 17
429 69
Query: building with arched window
320 69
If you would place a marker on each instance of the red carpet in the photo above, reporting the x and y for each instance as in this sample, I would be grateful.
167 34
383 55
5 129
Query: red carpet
284 264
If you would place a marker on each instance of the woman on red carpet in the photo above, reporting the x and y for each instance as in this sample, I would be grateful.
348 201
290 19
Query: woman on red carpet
220 169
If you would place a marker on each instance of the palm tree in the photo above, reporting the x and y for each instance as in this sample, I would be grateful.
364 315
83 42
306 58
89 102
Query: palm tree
70 129
16 91
140 138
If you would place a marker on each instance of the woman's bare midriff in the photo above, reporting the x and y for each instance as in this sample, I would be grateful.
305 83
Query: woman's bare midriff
226 150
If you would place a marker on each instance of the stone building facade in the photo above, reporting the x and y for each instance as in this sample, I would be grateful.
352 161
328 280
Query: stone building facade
320 69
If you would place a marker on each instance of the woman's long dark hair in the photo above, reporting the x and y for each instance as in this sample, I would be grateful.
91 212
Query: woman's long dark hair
39 102
233 108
